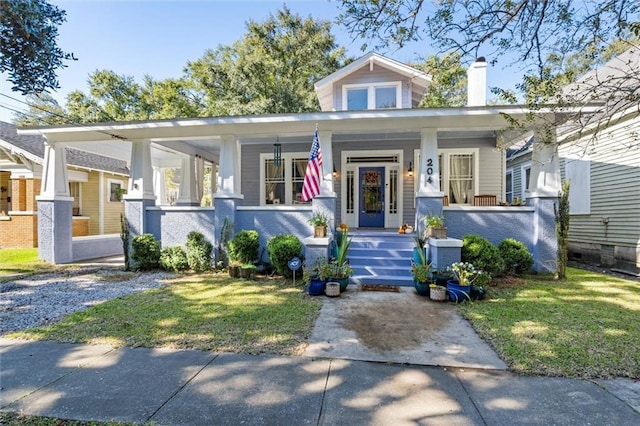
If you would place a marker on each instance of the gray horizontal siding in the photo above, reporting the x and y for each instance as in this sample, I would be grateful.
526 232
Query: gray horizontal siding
615 187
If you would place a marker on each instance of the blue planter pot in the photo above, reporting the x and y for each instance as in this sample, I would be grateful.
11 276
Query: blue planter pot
421 288
316 287
458 293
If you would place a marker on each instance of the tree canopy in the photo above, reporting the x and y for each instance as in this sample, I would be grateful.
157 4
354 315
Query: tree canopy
28 45
272 69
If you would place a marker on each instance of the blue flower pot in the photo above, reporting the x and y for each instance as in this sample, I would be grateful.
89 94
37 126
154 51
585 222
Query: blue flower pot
316 287
421 288
416 256
458 293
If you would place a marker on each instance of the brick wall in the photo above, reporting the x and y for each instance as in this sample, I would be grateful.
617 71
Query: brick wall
20 231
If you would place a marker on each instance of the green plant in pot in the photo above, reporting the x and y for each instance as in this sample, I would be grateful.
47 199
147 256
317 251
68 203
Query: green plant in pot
419 251
341 268
464 275
435 226
318 275
421 277
320 221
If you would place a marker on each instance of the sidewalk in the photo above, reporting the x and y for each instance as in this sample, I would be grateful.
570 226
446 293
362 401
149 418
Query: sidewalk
172 387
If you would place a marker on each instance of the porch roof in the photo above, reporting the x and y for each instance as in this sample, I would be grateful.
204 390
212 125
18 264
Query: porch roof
202 136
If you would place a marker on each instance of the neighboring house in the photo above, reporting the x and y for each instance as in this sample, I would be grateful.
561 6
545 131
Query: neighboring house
603 168
386 163
93 181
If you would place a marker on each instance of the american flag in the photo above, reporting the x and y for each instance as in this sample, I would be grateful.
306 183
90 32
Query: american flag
313 174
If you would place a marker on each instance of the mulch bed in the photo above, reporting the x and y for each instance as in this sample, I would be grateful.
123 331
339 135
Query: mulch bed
388 288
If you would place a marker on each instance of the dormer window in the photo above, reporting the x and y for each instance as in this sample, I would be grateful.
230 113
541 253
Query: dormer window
371 96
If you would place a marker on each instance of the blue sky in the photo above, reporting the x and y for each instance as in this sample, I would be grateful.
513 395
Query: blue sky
158 37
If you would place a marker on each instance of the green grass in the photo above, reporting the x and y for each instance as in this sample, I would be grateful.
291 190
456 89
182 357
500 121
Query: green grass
21 261
586 326
16 419
208 312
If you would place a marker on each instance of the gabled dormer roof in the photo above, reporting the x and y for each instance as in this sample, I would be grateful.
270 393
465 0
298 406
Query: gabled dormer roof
420 80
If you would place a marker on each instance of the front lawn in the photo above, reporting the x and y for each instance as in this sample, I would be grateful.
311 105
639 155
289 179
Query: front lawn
586 326
208 312
21 261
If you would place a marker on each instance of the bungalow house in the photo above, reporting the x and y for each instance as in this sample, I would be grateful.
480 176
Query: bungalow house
602 163
94 181
385 163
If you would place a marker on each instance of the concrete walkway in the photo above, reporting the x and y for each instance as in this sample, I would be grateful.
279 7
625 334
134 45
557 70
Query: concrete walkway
173 387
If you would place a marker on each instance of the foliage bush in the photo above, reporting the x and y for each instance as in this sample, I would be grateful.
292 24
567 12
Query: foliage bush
482 254
145 252
517 259
282 248
198 252
174 259
244 246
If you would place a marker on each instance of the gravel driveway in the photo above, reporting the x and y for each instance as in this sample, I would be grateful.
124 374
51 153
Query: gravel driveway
43 299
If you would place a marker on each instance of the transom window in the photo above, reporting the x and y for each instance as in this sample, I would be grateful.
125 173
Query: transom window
371 96
283 182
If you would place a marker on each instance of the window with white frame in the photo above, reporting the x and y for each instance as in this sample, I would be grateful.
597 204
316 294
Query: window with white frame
282 182
116 190
74 191
508 193
372 96
458 173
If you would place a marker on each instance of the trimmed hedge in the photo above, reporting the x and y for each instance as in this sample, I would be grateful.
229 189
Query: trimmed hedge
244 246
145 252
517 259
282 248
198 252
174 259
484 255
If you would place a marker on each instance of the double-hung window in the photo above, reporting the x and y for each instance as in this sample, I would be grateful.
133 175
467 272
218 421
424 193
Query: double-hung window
282 182
458 173
371 96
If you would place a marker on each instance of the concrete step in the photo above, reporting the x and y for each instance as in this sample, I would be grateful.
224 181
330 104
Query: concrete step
381 260
381 280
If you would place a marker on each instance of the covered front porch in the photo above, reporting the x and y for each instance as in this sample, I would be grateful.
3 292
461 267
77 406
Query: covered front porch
396 164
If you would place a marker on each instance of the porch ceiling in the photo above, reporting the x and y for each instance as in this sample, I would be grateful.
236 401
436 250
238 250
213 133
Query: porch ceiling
202 136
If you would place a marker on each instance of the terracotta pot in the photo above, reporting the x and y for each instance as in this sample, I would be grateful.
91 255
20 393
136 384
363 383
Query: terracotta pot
319 231
437 233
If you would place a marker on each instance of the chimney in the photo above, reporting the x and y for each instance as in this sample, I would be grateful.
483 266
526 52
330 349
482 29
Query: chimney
477 83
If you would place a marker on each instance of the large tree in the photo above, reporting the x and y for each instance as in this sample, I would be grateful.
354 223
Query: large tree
539 38
448 86
270 70
28 44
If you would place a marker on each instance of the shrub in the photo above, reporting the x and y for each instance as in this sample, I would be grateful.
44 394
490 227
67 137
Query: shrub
174 259
145 252
484 255
244 246
282 248
198 252
517 259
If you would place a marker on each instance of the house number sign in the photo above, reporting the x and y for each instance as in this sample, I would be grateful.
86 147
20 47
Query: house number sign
429 169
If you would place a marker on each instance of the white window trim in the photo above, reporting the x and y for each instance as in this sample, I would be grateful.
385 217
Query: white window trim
287 157
444 174
371 100
523 180
507 173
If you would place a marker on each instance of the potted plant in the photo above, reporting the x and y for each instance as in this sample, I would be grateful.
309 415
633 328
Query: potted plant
419 251
318 276
341 269
435 226
247 270
421 277
479 286
437 292
320 221
464 275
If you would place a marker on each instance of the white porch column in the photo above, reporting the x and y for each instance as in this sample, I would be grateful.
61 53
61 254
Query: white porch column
545 170
229 172
55 223
55 183
326 146
214 178
199 177
141 171
159 185
429 178
187 193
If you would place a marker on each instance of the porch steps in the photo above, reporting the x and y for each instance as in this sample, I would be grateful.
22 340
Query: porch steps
381 257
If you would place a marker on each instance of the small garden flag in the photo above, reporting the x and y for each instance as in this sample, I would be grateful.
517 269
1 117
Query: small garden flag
313 174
